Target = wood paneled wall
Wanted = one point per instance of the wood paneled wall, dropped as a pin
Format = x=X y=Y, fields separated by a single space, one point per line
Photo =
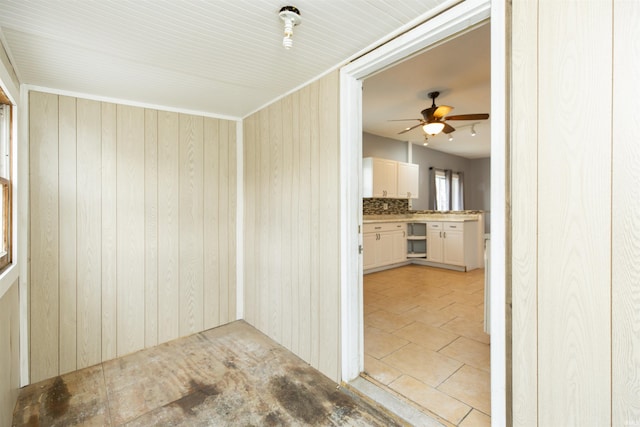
x=9 y=353
x=576 y=213
x=132 y=229
x=291 y=223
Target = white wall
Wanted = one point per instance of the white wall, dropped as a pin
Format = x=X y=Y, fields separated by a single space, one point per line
x=132 y=229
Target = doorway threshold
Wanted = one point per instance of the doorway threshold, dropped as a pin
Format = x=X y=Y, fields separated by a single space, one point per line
x=393 y=403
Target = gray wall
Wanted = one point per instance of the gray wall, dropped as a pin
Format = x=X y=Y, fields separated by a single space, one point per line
x=477 y=172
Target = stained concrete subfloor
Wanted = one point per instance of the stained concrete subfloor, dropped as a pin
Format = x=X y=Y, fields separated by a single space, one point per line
x=424 y=340
x=227 y=376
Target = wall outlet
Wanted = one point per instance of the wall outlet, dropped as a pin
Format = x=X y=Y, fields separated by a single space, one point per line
x=385 y=206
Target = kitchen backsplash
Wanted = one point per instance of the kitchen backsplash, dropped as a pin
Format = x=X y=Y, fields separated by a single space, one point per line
x=397 y=207
x=376 y=206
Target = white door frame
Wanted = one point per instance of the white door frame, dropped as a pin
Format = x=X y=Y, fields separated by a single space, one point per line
x=460 y=17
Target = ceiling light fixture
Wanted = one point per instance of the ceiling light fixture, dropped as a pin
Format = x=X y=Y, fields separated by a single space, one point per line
x=291 y=17
x=473 y=130
x=450 y=137
x=433 y=128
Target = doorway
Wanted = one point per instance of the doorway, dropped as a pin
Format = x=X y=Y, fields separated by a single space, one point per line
x=440 y=27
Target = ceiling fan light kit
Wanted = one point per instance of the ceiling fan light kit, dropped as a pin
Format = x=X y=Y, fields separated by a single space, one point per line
x=434 y=118
x=291 y=17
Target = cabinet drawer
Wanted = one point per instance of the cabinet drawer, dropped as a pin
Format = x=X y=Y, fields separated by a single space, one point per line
x=384 y=226
x=434 y=226
x=453 y=226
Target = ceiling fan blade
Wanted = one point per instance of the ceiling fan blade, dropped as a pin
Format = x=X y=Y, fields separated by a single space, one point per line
x=410 y=128
x=403 y=120
x=442 y=111
x=468 y=117
x=448 y=128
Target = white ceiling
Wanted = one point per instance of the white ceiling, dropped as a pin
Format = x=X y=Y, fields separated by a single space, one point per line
x=460 y=69
x=225 y=57
x=218 y=56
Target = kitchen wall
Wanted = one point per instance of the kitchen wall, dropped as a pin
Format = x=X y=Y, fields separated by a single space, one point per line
x=132 y=229
x=477 y=171
x=291 y=223
x=575 y=203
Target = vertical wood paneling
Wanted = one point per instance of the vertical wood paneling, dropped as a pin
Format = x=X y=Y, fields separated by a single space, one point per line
x=286 y=236
x=275 y=224
x=118 y=229
x=44 y=240
x=89 y=254
x=109 y=234
x=305 y=334
x=67 y=225
x=130 y=229
x=574 y=249
x=249 y=244
x=191 y=219
x=232 y=160
x=523 y=215
x=151 y=227
x=296 y=214
x=625 y=238
x=168 y=226
x=223 y=216
x=211 y=223
x=329 y=232
x=314 y=226
x=291 y=188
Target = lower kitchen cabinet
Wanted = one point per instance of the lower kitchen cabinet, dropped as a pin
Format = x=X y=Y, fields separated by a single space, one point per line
x=453 y=243
x=384 y=244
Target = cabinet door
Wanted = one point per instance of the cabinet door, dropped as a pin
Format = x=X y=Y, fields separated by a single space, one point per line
x=398 y=246
x=385 y=248
x=434 y=244
x=408 y=180
x=385 y=178
x=453 y=247
x=369 y=244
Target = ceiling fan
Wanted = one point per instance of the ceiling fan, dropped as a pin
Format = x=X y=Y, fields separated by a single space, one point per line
x=434 y=118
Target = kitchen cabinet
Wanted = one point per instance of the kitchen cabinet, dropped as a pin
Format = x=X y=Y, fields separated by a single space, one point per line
x=453 y=243
x=416 y=240
x=383 y=178
x=384 y=244
x=408 y=180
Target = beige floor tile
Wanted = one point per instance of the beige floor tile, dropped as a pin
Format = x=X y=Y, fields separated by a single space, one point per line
x=372 y=297
x=472 y=299
x=396 y=305
x=429 y=317
x=379 y=344
x=471 y=386
x=385 y=320
x=433 y=303
x=473 y=329
x=462 y=310
x=429 y=398
x=368 y=309
x=380 y=371
x=426 y=365
x=426 y=336
x=471 y=352
x=476 y=419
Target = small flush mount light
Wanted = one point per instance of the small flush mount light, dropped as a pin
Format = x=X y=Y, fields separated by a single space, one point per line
x=433 y=128
x=291 y=17
x=450 y=137
x=473 y=130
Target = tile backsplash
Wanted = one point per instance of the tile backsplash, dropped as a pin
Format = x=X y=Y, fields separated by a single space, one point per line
x=376 y=206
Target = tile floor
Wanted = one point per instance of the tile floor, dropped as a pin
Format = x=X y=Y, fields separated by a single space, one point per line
x=228 y=376
x=424 y=340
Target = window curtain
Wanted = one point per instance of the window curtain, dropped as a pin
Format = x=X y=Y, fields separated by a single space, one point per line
x=433 y=196
x=446 y=190
x=457 y=190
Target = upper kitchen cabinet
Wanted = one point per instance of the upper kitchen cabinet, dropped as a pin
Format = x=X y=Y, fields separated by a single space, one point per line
x=408 y=178
x=388 y=178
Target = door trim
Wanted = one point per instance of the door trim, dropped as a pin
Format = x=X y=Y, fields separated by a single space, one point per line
x=459 y=18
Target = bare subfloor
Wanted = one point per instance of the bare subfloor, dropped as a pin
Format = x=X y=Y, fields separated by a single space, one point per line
x=227 y=376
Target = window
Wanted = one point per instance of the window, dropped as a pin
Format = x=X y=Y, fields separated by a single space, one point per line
x=5 y=181
x=449 y=190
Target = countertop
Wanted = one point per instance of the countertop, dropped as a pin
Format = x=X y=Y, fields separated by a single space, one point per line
x=442 y=217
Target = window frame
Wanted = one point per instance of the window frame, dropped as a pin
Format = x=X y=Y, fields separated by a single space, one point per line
x=6 y=184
